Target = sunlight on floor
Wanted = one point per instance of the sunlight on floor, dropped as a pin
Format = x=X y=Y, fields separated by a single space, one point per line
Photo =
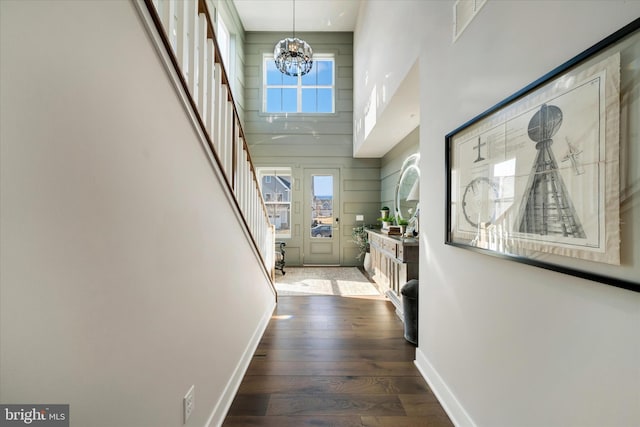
x=343 y=281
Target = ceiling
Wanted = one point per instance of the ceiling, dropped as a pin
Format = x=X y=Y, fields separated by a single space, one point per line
x=311 y=15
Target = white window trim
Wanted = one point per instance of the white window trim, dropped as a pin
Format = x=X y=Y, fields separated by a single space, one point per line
x=471 y=9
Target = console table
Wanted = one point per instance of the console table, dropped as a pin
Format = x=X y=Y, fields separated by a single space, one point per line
x=394 y=261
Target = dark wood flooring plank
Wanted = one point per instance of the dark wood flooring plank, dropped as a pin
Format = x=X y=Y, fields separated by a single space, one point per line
x=311 y=323
x=335 y=404
x=404 y=353
x=297 y=335
x=294 y=421
x=423 y=405
x=409 y=421
x=366 y=368
x=273 y=384
x=332 y=343
x=249 y=404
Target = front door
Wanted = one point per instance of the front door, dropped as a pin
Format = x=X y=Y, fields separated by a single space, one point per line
x=321 y=224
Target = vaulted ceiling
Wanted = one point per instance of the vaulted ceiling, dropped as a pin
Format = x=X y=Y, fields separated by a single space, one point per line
x=310 y=15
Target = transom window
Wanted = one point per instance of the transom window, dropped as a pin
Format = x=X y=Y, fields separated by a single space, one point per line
x=312 y=93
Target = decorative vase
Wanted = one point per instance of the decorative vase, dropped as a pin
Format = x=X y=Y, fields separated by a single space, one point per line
x=367 y=262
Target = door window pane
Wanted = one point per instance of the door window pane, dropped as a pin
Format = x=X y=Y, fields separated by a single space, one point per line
x=322 y=206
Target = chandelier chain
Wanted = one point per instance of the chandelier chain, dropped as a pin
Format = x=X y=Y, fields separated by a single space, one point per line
x=293 y=57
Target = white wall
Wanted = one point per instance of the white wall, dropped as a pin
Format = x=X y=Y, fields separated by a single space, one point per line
x=125 y=275
x=502 y=343
x=385 y=50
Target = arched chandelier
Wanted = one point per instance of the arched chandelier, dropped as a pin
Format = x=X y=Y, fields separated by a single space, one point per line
x=294 y=57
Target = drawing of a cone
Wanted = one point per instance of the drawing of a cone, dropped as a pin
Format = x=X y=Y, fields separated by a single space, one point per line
x=546 y=206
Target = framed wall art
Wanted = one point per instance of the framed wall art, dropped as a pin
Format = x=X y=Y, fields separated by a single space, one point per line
x=551 y=175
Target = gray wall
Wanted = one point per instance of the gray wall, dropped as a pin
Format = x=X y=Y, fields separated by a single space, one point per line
x=391 y=164
x=120 y=287
x=312 y=141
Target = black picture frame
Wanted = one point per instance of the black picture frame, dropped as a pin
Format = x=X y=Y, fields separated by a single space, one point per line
x=574 y=206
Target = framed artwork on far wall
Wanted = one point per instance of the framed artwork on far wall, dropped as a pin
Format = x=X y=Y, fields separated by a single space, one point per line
x=551 y=175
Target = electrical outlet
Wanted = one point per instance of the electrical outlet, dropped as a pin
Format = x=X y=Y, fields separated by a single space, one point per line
x=188 y=403
x=359 y=217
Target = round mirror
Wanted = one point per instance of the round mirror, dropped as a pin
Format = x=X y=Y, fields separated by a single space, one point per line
x=408 y=188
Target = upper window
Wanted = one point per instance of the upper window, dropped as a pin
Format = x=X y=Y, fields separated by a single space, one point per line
x=223 y=41
x=312 y=93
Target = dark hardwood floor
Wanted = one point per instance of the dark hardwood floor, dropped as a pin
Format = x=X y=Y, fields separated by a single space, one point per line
x=334 y=361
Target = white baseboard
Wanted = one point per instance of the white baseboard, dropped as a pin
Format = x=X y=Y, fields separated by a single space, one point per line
x=397 y=303
x=447 y=399
x=226 y=399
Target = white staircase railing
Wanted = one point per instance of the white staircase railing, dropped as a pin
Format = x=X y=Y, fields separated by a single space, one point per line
x=187 y=31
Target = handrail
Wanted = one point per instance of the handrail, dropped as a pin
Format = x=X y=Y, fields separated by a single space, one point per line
x=222 y=128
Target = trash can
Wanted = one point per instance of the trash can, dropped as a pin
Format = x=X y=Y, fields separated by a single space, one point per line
x=410 y=307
